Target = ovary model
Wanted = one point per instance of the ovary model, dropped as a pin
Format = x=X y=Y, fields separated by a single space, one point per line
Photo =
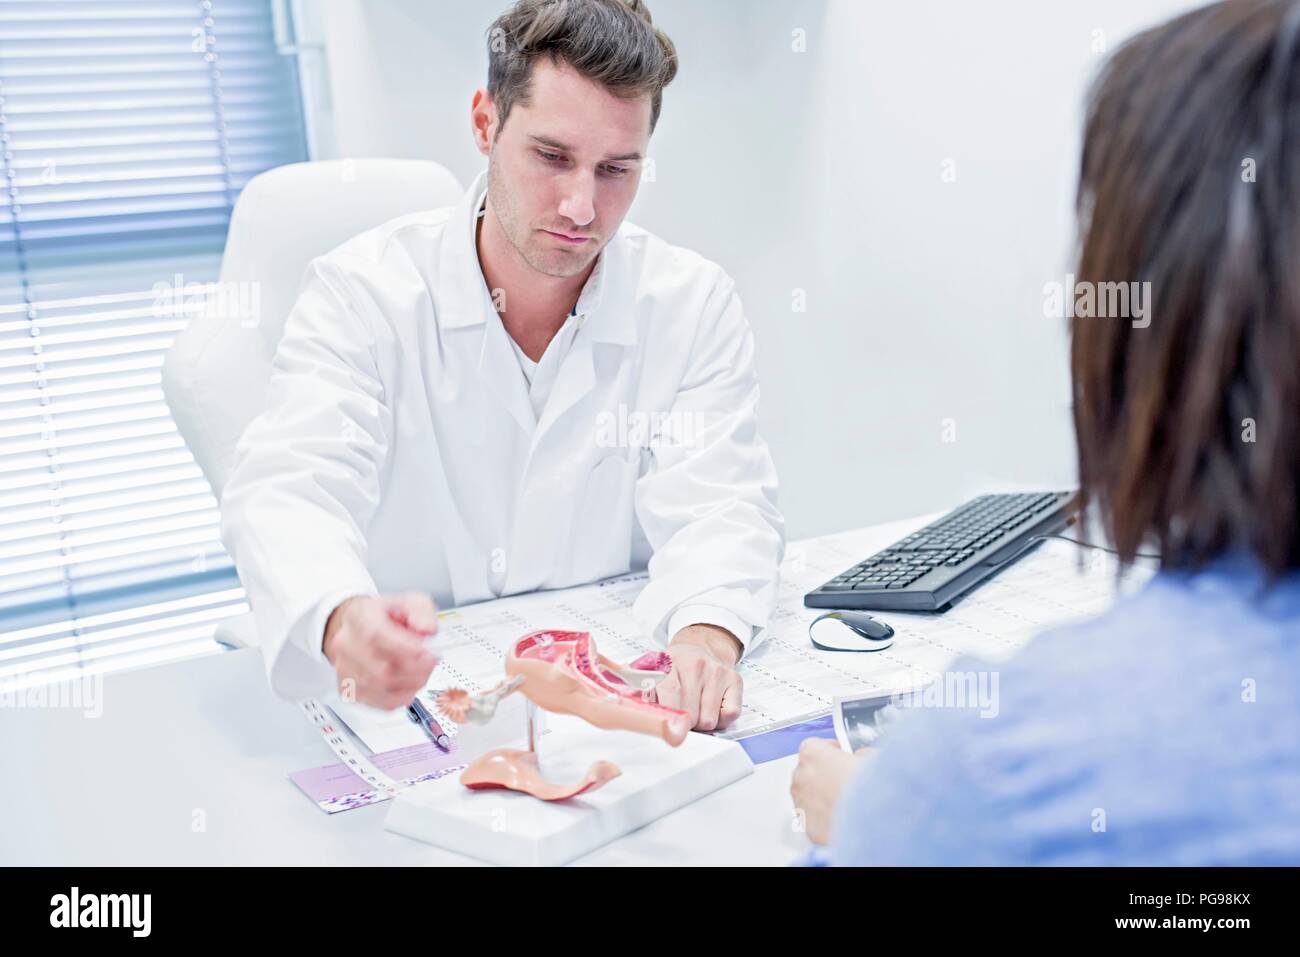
x=561 y=672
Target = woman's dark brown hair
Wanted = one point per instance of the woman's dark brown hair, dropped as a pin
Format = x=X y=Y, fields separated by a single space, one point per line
x=1188 y=429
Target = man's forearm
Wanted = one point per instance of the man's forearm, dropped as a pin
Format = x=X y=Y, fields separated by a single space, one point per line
x=717 y=640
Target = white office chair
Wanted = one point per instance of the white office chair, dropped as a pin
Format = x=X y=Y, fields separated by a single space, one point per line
x=216 y=373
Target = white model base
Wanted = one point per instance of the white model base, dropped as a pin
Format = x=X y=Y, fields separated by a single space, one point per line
x=506 y=827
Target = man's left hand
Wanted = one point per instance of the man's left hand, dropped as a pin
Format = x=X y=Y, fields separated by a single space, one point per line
x=703 y=681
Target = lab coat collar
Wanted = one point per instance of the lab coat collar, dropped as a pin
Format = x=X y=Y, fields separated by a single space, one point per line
x=464 y=299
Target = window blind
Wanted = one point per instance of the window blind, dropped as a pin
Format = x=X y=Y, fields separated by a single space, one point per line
x=127 y=130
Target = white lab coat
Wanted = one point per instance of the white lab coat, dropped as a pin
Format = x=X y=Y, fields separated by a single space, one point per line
x=400 y=450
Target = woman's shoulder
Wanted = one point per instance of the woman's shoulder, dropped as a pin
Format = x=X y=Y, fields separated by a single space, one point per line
x=1138 y=714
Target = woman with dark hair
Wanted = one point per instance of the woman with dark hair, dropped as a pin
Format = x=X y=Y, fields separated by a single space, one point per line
x=1164 y=732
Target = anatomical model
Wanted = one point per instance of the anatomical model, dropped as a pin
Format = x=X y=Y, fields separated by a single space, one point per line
x=561 y=672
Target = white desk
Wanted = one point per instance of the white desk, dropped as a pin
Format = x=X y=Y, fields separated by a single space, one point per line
x=206 y=737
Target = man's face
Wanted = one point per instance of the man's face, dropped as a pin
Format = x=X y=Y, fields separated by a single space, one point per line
x=564 y=169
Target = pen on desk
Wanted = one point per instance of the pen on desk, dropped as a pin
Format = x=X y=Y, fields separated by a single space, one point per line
x=425 y=719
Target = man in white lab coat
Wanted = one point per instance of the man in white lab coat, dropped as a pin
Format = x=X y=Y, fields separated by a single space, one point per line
x=521 y=392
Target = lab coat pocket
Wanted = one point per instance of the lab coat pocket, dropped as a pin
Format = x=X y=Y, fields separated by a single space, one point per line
x=601 y=544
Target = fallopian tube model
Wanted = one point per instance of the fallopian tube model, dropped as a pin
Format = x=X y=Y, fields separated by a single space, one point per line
x=561 y=672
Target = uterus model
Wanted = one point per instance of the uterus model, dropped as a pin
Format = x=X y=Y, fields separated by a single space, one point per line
x=561 y=672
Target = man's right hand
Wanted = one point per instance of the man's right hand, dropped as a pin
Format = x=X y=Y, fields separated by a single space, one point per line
x=376 y=646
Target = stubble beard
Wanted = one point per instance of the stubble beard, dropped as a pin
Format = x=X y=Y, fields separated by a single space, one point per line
x=528 y=242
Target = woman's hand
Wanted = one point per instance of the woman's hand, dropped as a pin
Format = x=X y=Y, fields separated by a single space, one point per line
x=823 y=770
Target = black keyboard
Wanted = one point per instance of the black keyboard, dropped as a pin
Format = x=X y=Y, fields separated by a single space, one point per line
x=929 y=568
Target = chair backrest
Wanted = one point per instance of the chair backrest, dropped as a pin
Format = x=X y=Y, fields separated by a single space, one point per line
x=216 y=373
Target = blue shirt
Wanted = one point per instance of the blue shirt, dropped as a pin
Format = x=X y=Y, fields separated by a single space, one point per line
x=1165 y=732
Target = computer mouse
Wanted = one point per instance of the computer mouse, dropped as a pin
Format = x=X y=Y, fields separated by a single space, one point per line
x=850 y=631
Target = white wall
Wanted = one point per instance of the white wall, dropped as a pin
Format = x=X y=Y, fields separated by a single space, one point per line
x=822 y=171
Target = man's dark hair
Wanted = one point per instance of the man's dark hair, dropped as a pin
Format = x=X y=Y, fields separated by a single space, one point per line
x=610 y=42
x=1188 y=430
